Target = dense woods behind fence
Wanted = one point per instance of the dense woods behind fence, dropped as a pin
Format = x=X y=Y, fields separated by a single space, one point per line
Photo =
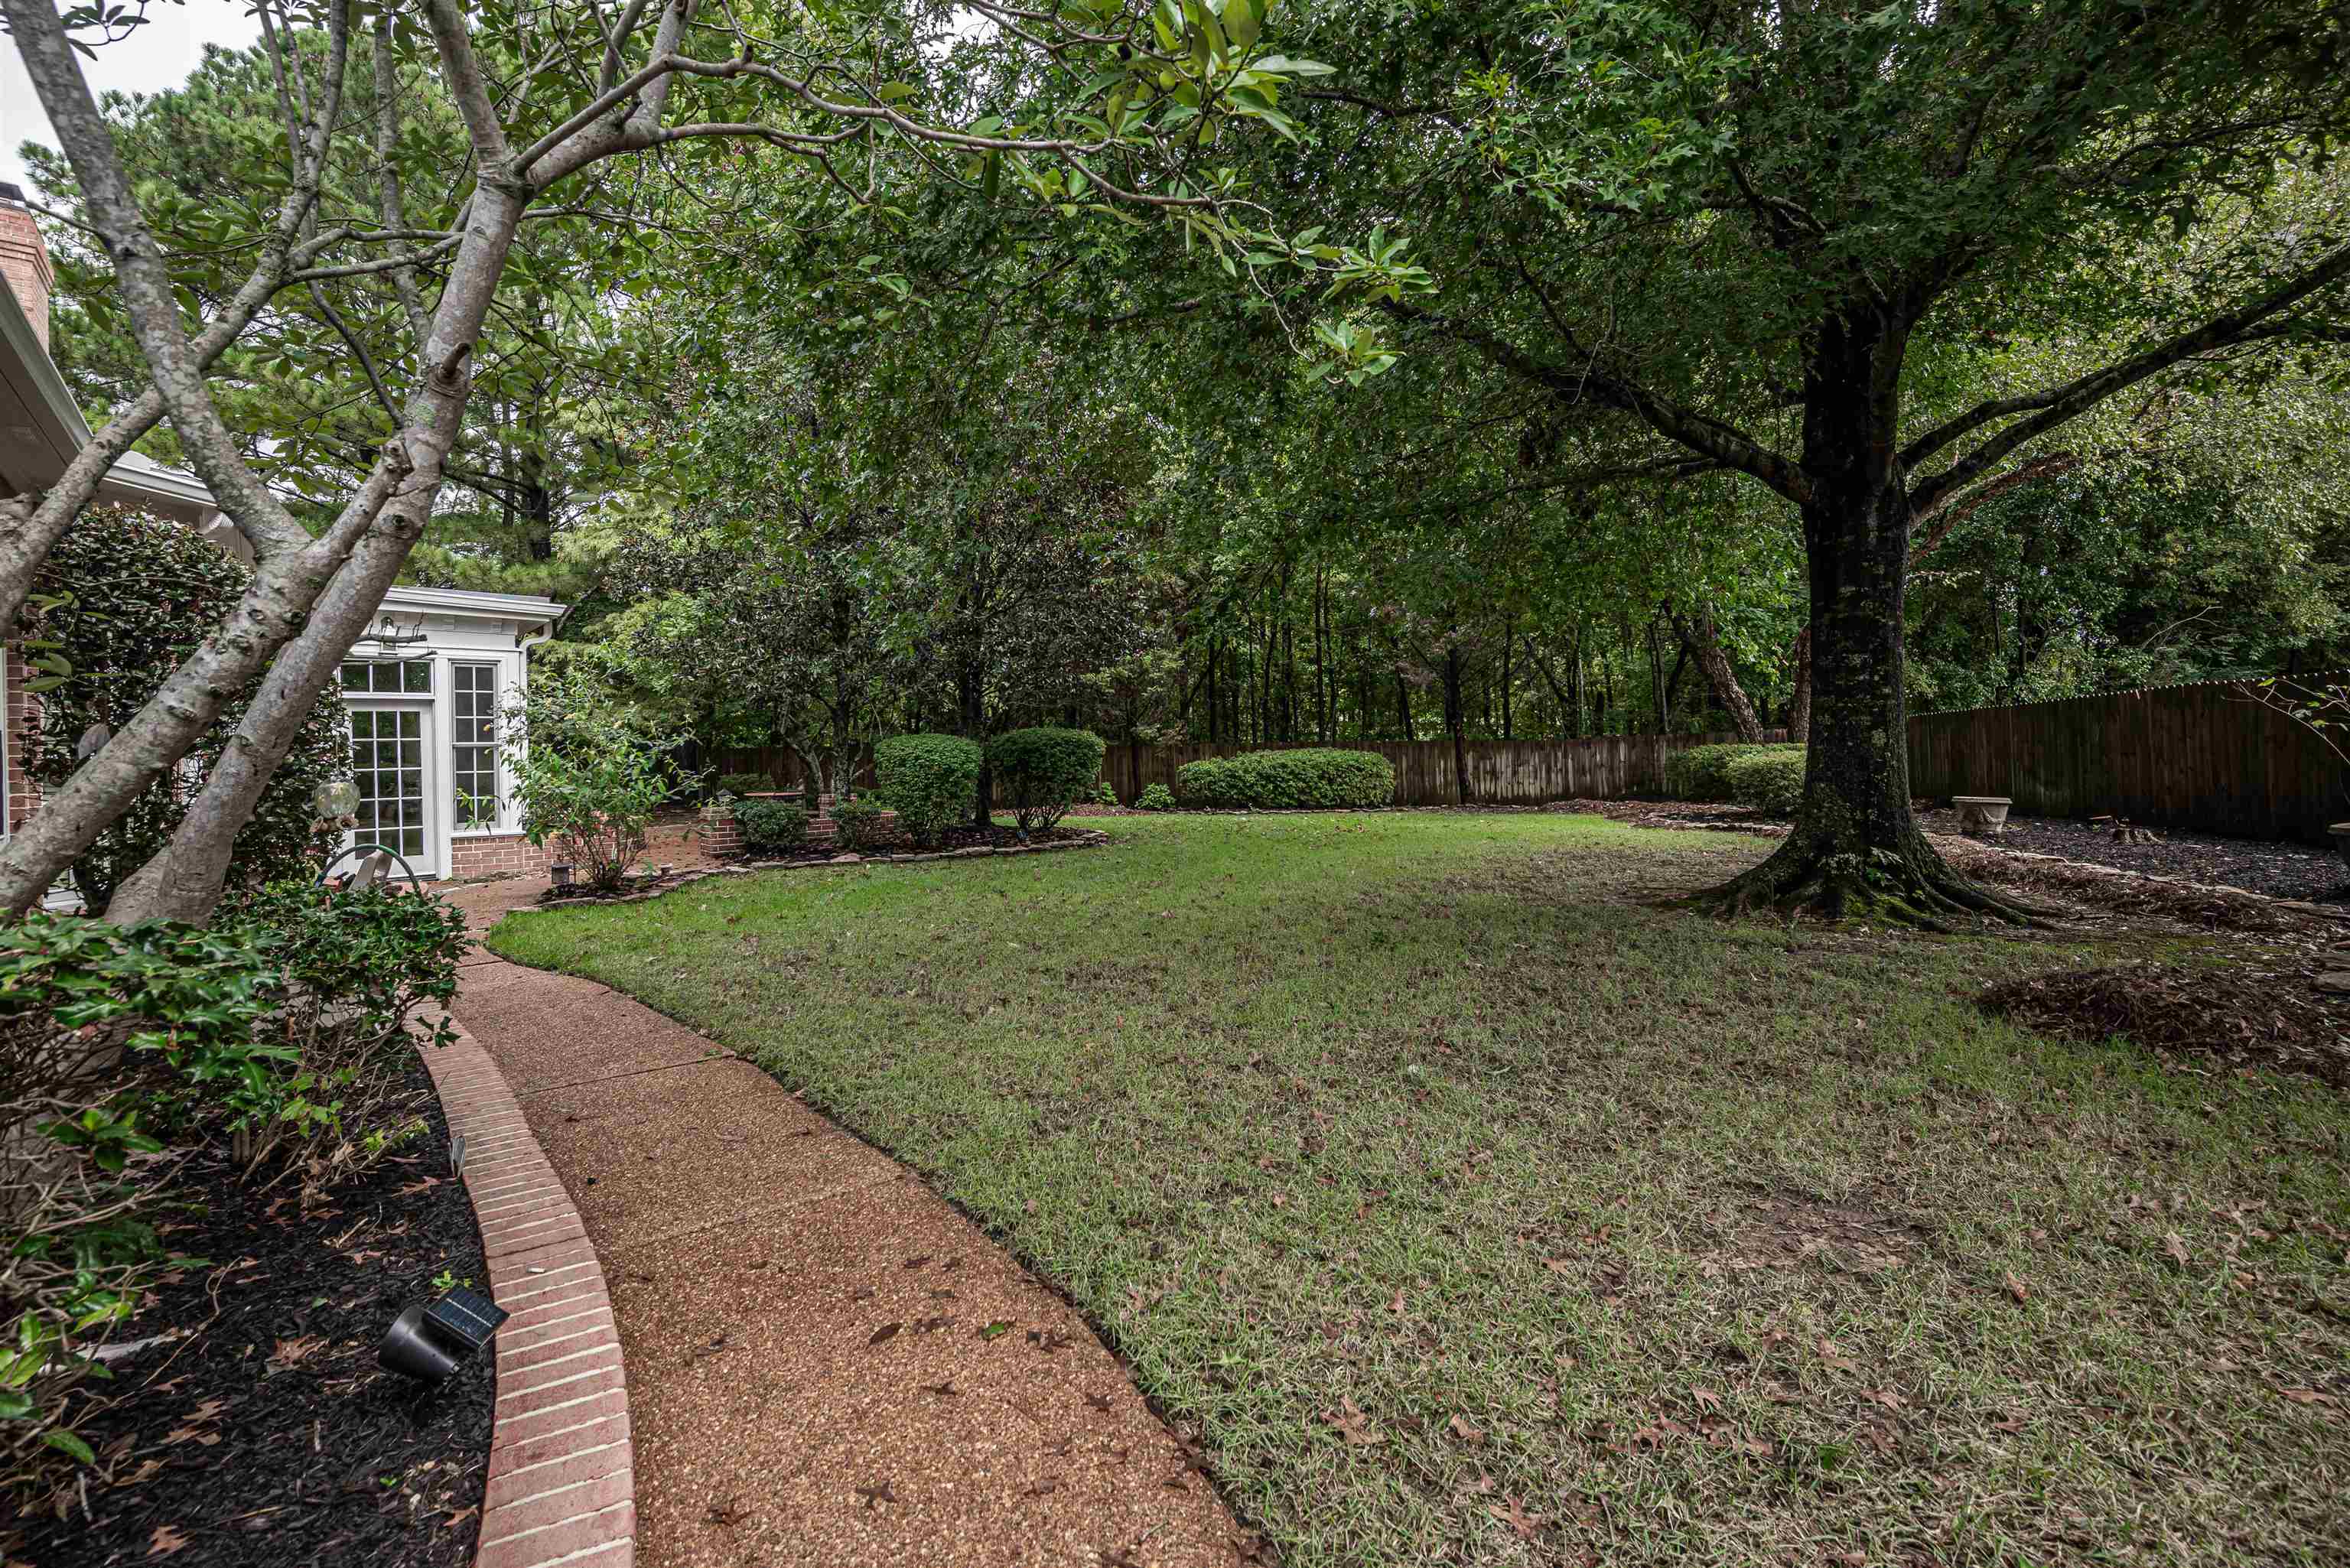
x=2205 y=757
x=1501 y=773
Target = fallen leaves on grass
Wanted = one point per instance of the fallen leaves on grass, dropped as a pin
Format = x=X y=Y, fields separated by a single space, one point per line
x=1352 y=1423
x=1526 y=1525
x=1474 y=1436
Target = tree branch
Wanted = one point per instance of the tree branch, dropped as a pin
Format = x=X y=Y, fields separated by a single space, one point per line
x=2059 y=405
x=1701 y=433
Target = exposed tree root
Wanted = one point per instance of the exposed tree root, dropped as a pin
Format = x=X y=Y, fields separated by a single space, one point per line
x=1911 y=886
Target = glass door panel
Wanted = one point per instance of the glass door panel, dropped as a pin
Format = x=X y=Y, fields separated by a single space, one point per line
x=388 y=765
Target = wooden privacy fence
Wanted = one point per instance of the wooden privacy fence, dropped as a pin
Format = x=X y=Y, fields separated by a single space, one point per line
x=2202 y=757
x=1501 y=773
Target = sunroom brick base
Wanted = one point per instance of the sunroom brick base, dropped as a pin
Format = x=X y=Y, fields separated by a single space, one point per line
x=562 y=1477
x=503 y=854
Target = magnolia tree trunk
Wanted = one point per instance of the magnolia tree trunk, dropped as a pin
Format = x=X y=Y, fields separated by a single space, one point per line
x=1856 y=849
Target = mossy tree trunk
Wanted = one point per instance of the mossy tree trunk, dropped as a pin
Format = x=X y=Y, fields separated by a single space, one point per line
x=1855 y=848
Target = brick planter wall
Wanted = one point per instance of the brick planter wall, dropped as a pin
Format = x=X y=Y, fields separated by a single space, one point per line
x=562 y=1477
x=495 y=854
x=723 y=837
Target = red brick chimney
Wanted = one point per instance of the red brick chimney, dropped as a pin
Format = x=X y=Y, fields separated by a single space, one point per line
x=25 y=259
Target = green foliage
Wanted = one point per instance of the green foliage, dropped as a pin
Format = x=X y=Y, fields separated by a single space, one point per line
x=771 y=827
x=1155 y=797
x=1316 y=776
x=589 y=774
x=284 y=1024
x=861 y=823
x=740 y=785
x=1104 y=794
x=931 y=781
x=1767 y=778
x=1041 y=772
x=1702 y=773
x=131 y=596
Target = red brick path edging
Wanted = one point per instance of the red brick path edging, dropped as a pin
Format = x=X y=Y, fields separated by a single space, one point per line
x=561 y=1480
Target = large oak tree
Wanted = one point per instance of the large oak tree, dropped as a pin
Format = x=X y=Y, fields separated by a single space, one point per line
x=1789 y=243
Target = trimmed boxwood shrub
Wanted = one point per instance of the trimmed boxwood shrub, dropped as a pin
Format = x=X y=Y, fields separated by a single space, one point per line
x=930 y=779
x=740 y=785
x=1768 y=779
x=1309 y=776
x=1210 y=781
x=1042 y=773
x=1702 y=773
x=1158 y=797
x=861 y=823
x=771 y=827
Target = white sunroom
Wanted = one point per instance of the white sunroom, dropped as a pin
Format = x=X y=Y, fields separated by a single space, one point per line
x=422 y=691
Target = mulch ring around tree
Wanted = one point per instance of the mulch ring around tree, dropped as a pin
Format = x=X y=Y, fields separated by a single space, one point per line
x=251 y=1424
x=2254 y=1014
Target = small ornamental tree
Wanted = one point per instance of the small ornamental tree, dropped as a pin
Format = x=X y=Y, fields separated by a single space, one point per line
x=127 y=598
x=588 y=774
x=929 y=780
x=1042 y=773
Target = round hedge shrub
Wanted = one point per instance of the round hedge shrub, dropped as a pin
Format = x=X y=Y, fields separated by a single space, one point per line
x=1702 y=773
x=1768 y=779
x=1210 y=782
x=1042 y=773
x=771 y=827
x=1158 y=797
x=861 y=823
x=930 y=779
x=1310 y=776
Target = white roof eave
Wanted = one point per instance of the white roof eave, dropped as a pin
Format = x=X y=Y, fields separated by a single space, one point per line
x=474 y=604
x=133 y=477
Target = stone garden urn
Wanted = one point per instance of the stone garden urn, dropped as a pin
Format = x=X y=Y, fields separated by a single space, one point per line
x=1982 y=814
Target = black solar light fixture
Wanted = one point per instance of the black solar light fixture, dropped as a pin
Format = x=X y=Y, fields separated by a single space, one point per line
x=429 y=1340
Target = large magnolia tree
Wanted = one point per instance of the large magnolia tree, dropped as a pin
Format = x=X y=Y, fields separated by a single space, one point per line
x=1794 y=243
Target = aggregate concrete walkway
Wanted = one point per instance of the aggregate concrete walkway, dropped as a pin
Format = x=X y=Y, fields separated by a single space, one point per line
x=815 y=1370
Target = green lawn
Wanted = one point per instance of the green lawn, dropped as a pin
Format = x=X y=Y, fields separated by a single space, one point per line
x=1625 y=1232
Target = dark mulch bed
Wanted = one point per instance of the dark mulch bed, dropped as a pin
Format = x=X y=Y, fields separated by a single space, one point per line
x=263 y=1431
x=956 y=839
x=2264 y=1012
x=1677 y=813
x=2280 y=870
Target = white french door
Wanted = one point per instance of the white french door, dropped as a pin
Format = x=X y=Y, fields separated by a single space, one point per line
x=392 y=762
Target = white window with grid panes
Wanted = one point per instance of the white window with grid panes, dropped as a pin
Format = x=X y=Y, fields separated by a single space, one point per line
x=388 y=765
x=473 y=747
x=388 y=677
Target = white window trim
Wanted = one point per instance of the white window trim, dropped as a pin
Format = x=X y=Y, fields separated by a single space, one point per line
x=502 y=828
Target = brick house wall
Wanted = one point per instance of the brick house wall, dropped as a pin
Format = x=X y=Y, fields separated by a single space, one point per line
x=23 y=717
